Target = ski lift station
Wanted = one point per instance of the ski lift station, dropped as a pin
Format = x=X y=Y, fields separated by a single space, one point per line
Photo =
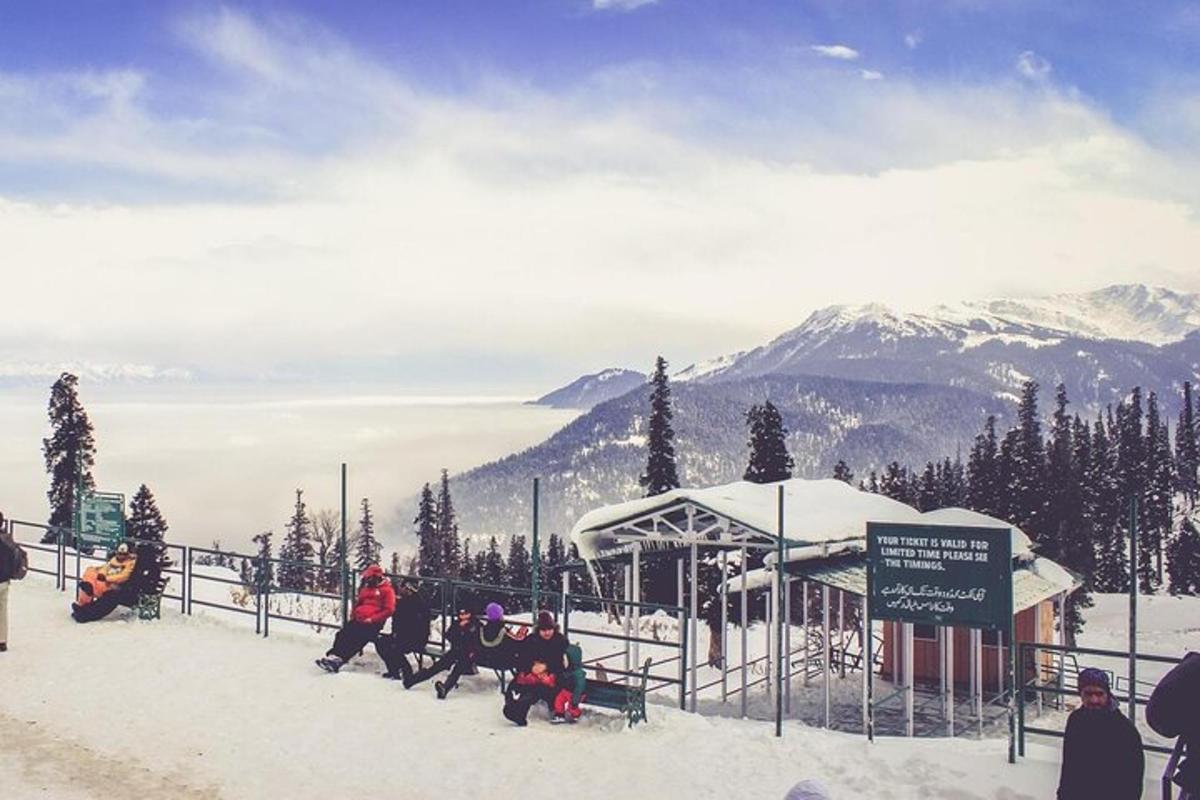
x=793 y=554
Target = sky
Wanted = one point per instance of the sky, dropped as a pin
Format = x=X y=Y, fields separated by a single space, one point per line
x=496 y=197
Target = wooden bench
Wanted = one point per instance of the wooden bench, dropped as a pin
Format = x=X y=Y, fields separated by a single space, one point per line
x=628 y=698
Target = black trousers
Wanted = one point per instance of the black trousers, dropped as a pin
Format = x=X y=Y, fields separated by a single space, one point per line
x=457 y=663
x=97 y=609
x=395 y=656
x=518 y=699
x=352 y=638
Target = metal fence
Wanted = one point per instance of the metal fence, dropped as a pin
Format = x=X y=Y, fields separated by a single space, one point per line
x=611 y=652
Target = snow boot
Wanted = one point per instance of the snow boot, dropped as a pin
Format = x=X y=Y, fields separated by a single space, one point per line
x=558 y=719
x=512 y=714
x=440 y=688
x=330 y=663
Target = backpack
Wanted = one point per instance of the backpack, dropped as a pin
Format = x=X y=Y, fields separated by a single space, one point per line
x=18 y=560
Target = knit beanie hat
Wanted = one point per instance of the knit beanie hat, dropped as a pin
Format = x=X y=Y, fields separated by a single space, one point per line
x=545 y=621
x=1094 y=677
x=494 y=612
x=808 y=790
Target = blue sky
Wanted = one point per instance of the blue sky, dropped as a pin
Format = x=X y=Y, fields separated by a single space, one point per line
x=562 y=166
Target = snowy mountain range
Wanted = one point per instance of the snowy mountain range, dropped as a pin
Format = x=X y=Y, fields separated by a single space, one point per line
x=867 y=384
x=591 y=390
x=43 y=373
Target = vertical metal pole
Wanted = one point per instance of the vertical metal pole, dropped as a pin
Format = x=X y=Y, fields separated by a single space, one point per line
x=868 y=672
x=626 y=612
x=780 y=652
x=745 y=623
x=940 y=632
x=978 y=650
x=804 y=621
x=343 y=571
x=909 y=684
x=828 y=673
x=1062 y=641
x=769 y=630
x=949 y=680
x=636 y=611
x=566 y=590
x=841 y=633
x=187 y=580
x=1133 y=595
x=537 y=553
x=694 y=631
x=682 y=634
x=787 y=644
x=1012 y=683
x=724 y=625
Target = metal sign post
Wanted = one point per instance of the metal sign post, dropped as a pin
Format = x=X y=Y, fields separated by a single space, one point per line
x=536 y=560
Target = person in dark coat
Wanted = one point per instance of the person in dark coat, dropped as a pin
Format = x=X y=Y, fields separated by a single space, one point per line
x=1102 y=750
x=410 y=632
x=541 y=660
x=460 y=657
x=1174 y=711
x=373 y=607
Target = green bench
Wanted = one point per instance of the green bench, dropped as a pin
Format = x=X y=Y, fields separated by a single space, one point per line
x=628 y=698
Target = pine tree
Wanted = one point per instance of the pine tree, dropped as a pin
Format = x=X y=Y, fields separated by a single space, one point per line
x=1187 y=449
x=146 y=525
x=769 y=458
x=70 y=454
x=518 y=571
x=264 y=569
x=394 y=567
x=895 y=483
x=1103 y=503
x=1063 y=501
x=953 y=489
x=466 y=570
x=1183 y=558
x=297 y=549
x=1157 y=500
x=1028 y=471
x=447 y=531
x=429 y=549
x=367 y=549
x=1131 y=458
x=1078 y=549
x=841 y=472
x=661 y=474
x=983 y=471
x=927 y=489
x=494 y=571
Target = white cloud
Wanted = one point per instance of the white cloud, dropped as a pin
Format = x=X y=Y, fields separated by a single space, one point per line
x=870 y=75
x=522 y=224
x=838 y=51
x=1032 y=66
x=913 y=39
x=620 y=5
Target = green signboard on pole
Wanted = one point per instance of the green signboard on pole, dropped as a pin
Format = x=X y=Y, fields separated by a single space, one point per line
x=940 y=574
x=102 y=520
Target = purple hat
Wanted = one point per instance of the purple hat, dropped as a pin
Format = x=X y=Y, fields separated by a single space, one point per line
x=494 y=612
x=1094 y=677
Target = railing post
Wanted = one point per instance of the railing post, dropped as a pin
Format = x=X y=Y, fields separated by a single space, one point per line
x=1020 y=704
x=266 y=604
x=185 y=588
x=683 y=661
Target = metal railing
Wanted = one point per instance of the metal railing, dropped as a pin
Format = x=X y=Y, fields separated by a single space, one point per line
x=1057 y=685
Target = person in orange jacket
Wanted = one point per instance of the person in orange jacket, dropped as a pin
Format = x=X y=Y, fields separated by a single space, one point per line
x=97 y=595
x=374 y=606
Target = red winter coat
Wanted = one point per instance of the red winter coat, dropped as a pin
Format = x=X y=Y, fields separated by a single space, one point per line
x=375 y=604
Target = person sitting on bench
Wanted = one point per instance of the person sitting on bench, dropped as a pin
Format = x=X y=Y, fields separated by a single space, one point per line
x=374 y=606
x=410 y=632
x=463 y=641
x=541 y=658
x=99 y=590
x=572 y=685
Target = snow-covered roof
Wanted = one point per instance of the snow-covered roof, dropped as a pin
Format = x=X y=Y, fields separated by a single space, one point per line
x=818 y=514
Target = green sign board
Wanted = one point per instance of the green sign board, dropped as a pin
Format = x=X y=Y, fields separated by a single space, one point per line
x=102 y=519
x=940 y=574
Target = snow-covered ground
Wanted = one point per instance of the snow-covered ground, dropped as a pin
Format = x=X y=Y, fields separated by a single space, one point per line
x=200 y=707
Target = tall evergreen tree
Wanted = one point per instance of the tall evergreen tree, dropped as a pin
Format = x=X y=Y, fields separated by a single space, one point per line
x=447 y=530
x=264 y=568
x=1183 y=558
x=928 y=496
x=1158 y=499
x=367 y=549
x=953 y=486
x=1063 y=501
x=429 y=548
x=983 y=471
x=769 y=457
x=466 y=571
x=1187 y=449
x=661 y=474
x=1103 y=503
x=70 y=454
x=1028 y=471
x=1077 y=543
x=146 y=525
x=519 y=570
x=894 y=483
x=494 y=571
x=297 y=549
x=841 y=472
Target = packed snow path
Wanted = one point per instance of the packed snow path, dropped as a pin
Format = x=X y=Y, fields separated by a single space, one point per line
x=198 y=708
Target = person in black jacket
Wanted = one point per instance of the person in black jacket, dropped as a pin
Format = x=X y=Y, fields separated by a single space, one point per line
x=541 y=660
x=1174 y=711
x=1102 y=750
x=410 y=632
x=463 y=640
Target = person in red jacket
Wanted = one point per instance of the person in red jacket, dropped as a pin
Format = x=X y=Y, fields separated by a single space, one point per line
x=374 y=606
